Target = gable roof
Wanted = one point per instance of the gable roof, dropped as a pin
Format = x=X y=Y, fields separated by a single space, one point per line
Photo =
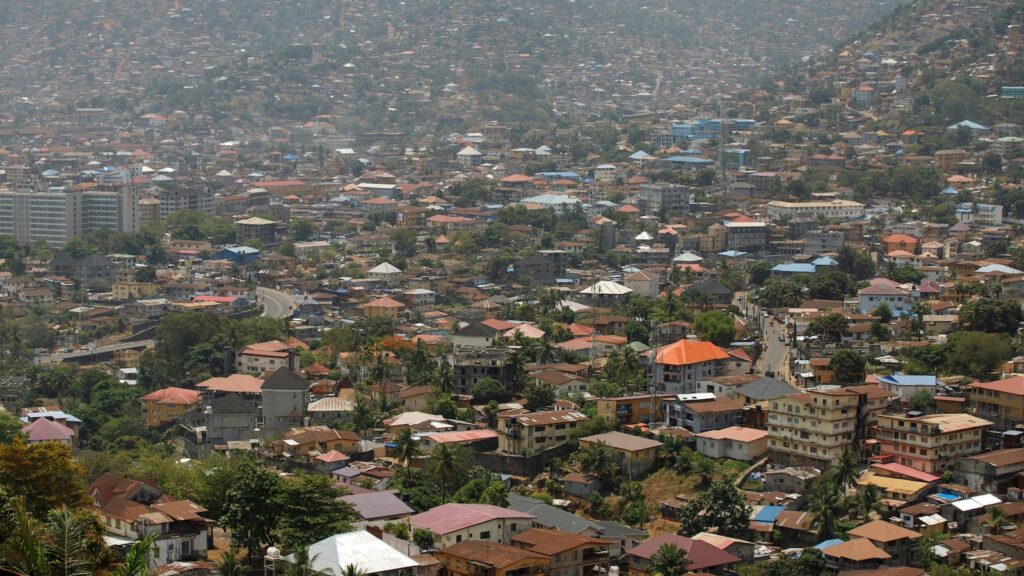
x=43 y=430
x=361 y=549
x=548 y=516
x=284 y=379
x=701 y=555
x=173 y=396
x=883 y=531
x=856 y=550
x=1012 y=385
x=373 y=505
x=622 y=441
x=452 y=517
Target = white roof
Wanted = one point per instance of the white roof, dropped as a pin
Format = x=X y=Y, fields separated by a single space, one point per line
x=360 y=548
x=687 y=257
x=982 y=501
x=385 y=268
x=414 y=418
x=607 y=287
x=468 y=151
x=644 y=236
x=932 y=519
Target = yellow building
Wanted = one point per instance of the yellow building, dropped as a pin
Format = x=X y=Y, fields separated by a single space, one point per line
x=894 y=488
x=631 y=409
x=133 y=290
x=167 y=405
x=385 y=307
x=636 y=453
x=1000 y=401
x=930 y=443
x=522 y=432
x=815 y=427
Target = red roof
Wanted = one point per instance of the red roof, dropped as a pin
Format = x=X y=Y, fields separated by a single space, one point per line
x=701 y=555
x=448 y=518
x=1012 y=385
x=173 y=395
x=686 y=352
x=906 y=471
x=384 y=302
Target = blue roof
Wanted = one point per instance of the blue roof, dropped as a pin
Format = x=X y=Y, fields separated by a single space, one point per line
x=828 y=543
x=824 y=261
x=242 y=250
x=569 y=175
x=950 y=190
x=795 y=268
x=909 y=380
x=639 y=154
x=768 y=514
x=967 y=124
x=688 y=160
x=51 y=415
x=948 y=496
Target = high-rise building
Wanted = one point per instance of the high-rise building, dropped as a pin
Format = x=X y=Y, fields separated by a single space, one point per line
x=57 y=215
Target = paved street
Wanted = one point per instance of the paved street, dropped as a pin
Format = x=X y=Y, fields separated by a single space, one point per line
x=276 y=304
x=89 y=353
x=775 y=356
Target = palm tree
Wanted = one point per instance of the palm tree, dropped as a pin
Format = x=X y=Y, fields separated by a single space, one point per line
x=844 y=471
x=406 y=448
x=598 y=458
x=444 y=467
x=869 y=501
x=825 y=502
x=136 y=560
x=300 y=565
x=706 y=470
x=669 y=560
x=546 y=350
x=445 y=382
x=996 y=520
x=353 y=570
x=58 y=547
x=231 y=564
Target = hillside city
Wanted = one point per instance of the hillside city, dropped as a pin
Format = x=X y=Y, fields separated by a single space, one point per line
x=513 y=288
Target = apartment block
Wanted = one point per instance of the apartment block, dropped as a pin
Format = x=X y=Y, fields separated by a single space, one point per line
x=813 y=428
x=521 y=432
x=930 y=443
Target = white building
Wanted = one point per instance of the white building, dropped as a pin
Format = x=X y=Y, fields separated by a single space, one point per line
x=835 y=209
x=58 y=215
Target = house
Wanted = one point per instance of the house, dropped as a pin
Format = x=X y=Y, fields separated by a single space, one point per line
x=636 y=454
x=418 y=421
x=906 y=385
x=580 y=484
x=678 y=366
x=479 y=440
x=240 y=255
x=567 y=553
x=472 y=558
x=284 y=397
x=563 y=384
x=716 y=292
x=1000 y=401
x=369 y=554
x=643 y=283
x=414 y=398
x=43 y=430
x=992 y=471
x=634 y=409
x=378 y=508
x=315 y=440
x=167 y=405
x=897 y=489
x=131 y=509
x=703 y=557
x=58 y=416
x=898 y=542
x=855 y=554
x=475 y=334
x=930 y=443
x=267 y=356
x=791 y=479
x=736 y=442
x=453 y=523
x=522 y=432
x=385 y=307
x=702 y=412
x=883 y=291
x=387 y=273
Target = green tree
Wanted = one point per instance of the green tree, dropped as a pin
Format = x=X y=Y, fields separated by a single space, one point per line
x=716 y=326
x=984 y=315
x=406 y=448
x=883 y=312
x=308 y=507
x=251 y=512
x=487 y=389
x=825 y=502
x=669 y=560
x=831 y=328
x=844 y=470
x=423 y=539
x=977 y=354
x=921 y=400
x=10 y=427
x=599 y=459
x=720 y=506
x=446 y=465
x=539 y=395
x=496 y=494
x=848 y=367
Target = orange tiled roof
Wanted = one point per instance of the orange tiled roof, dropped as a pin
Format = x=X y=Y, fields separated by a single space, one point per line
x=685 y=352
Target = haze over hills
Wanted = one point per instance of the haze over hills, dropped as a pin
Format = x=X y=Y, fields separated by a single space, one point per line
x=391 y=60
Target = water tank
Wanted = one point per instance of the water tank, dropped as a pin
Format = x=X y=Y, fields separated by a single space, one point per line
x=613 y=571
x=273 y=553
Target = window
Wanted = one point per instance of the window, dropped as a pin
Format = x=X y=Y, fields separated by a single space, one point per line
x=513 y=526
x=458 y=538
x=486 y=535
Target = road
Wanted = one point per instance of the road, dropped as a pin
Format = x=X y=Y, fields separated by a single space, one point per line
x=775 y=356
x=84 y=353
x=276 y=304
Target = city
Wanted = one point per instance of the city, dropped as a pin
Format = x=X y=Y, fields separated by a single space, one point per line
x=432 y=289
